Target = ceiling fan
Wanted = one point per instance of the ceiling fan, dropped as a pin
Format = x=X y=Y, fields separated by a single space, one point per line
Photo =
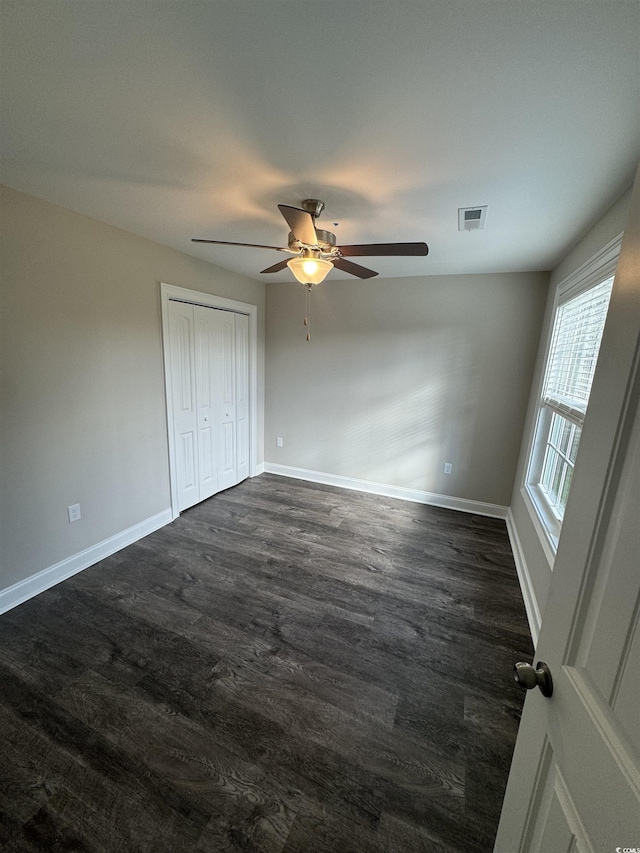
x=315 y=250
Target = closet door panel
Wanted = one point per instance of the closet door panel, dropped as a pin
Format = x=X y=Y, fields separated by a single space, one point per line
x=242 y=394
x=206 y=353
x=183 y=392
x=222 y=367
x=210 y=399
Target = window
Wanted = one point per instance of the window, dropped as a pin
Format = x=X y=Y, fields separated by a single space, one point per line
x=580 y=315
x=572 y=362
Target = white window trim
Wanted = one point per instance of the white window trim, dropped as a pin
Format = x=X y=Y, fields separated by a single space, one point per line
x=598 y=268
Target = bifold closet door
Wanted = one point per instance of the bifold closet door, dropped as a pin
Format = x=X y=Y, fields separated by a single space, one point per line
x=209 y=378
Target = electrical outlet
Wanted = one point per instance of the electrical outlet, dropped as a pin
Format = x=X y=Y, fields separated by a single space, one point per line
x=279 y=441
x=447 y=467
x=74 y=513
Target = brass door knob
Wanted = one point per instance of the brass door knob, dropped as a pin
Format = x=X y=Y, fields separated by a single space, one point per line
x=528 y=677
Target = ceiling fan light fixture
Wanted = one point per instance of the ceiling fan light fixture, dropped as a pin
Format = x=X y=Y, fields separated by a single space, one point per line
x=310 y=270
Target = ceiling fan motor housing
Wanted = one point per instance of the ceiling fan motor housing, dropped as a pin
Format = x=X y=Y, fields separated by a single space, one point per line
x=326 y=241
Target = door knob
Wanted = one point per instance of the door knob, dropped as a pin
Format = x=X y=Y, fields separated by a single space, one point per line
x=526 y=676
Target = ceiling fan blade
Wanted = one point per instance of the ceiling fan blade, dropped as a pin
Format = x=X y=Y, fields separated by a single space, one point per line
x=353 y=269
x=371 y=249
x=276 y=267
x=301 y=224
x=227 y=243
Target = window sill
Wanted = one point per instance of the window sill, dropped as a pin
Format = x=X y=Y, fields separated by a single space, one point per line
x=541 y=518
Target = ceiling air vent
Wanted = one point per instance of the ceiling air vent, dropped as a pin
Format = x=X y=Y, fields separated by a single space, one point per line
x=472 y=218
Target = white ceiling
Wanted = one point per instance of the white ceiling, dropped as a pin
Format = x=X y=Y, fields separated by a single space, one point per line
x=194 y=119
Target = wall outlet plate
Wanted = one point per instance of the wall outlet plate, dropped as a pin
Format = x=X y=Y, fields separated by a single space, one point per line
x=74 y=513
x=447 y=467
x=279 y=441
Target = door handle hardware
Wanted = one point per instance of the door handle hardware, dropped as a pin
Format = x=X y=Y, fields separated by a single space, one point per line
x=528 y=677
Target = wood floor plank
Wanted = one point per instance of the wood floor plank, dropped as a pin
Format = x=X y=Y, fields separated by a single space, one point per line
x=101 y=783
x=286 y=668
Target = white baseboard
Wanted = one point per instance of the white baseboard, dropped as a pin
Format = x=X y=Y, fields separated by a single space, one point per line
x=414 y=495
x=528 y=594
x=22 y=591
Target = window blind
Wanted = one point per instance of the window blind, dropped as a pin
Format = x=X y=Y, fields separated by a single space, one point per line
x=574 y=351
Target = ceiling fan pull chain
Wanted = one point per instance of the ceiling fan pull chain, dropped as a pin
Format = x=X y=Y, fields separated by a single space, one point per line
x=307 y=319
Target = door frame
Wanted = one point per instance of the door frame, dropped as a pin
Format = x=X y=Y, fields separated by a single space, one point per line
x=168 y=293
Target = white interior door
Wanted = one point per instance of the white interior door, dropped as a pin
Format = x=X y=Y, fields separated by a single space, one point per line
x=217 y=329
x=183 y=397
x=575 y=778
x=242 y=396
x=207 y=385
x=209 y=374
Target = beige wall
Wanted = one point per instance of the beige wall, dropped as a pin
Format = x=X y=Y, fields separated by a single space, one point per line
x=83 y=411
x=606 y=229
x=403 y=375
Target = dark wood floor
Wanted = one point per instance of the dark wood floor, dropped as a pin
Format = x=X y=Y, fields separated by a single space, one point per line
x=287 y=667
